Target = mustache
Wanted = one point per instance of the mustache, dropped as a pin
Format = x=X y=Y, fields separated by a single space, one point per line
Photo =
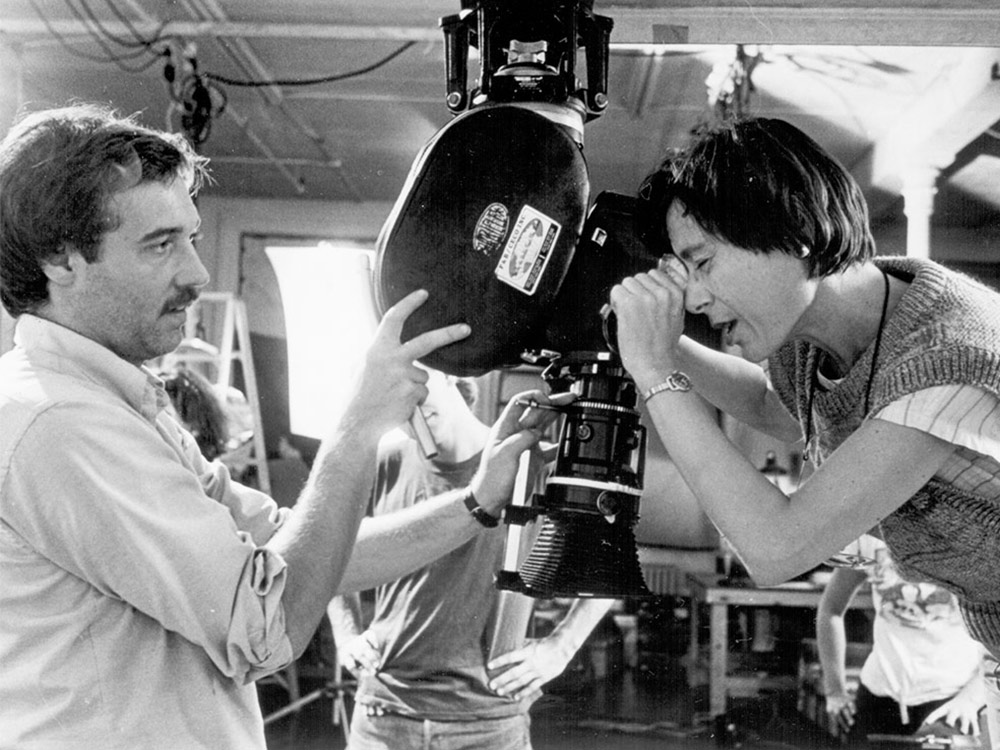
x=184 y=298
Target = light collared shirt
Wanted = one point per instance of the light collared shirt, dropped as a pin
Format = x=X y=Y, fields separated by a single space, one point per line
x=137 y=603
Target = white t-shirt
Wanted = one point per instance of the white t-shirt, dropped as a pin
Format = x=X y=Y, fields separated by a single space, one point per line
x=921 y=650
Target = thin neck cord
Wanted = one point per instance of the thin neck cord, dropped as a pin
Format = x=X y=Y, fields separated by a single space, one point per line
x=813 y=381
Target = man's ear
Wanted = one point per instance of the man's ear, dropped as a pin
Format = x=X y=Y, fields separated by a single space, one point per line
x=60 y=268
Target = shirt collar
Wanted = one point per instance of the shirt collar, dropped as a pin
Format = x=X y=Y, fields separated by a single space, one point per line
x=59 y=349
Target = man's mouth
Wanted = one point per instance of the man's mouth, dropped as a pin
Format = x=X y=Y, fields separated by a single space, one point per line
x=179 y=306
x=175 y=310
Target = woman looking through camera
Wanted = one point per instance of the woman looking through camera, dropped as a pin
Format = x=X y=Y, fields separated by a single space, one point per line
x=887 y=368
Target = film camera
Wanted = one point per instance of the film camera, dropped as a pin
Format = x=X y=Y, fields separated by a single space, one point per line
x=495 y=221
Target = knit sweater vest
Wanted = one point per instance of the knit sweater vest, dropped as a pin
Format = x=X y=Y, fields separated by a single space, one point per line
x=945 y=330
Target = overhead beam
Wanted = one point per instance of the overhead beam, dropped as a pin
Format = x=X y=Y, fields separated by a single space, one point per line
x=771 y=23
x=757 y=23
x=249 y=30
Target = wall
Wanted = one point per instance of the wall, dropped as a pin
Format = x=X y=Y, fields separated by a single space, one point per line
x=225 y=220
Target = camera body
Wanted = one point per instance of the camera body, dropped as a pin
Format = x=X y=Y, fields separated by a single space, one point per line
x=494 y=222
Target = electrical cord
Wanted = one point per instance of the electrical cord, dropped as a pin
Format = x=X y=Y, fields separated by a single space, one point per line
x=109 y=57
x=139 y=39
x=310 y=81
x=100 y=33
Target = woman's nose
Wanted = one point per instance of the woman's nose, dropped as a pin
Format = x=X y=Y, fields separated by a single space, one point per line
x=696 y=297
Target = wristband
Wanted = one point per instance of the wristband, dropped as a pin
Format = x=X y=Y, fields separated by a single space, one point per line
x=478 y=512
x=676 y=381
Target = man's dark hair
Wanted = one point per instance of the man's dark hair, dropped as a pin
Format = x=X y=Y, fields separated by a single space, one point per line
x=763 y=185
x=58 y=170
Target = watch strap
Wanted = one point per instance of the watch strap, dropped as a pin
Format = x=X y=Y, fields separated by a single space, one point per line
x=478 y=512
x=675 y=381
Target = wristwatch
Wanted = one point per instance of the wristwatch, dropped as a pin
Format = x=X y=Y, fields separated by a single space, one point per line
x=676 y=381
x=478 y=512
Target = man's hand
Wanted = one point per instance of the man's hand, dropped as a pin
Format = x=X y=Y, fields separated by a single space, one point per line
x=361 y=655
x=529 y=667
x=391 y=385
x=520 y=427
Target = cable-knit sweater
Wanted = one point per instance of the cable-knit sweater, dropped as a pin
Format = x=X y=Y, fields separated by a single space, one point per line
x=944 y=330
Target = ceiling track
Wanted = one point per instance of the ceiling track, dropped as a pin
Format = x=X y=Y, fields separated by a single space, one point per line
x=246 y=59
x=760 y=24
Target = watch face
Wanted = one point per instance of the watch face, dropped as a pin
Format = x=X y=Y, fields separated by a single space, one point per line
x=680 y=381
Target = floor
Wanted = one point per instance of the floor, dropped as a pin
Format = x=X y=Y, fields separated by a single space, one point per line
x=630 y=709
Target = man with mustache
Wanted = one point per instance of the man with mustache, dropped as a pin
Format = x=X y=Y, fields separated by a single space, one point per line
x=142 y=591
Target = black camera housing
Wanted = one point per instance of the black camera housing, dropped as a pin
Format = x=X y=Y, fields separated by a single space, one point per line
x=528 y=53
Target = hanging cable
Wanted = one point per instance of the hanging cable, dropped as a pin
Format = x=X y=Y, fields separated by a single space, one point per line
x=101 y=33
x=110 y=55
x=310 y=81
x=138 y=39
x=198 y=99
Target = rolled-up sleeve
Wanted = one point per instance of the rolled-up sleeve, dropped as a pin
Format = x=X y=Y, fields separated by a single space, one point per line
x=131 y=509
x=258 y=635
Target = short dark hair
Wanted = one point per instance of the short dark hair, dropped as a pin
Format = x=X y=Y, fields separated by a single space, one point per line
x=763 y=185
x=58 y=170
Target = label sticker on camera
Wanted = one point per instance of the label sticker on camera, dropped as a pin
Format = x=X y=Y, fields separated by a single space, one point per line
x=528 y=250
x=490 y=229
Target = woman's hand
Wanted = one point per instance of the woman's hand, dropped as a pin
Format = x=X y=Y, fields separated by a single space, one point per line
x=650 y=311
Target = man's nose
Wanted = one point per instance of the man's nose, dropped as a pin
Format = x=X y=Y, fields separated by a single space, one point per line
x=193 y=272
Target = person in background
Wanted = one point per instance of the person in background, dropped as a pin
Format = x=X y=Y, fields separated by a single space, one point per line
x=198 y=409
x=888 y=368
x=142 y=591
x=425 y=676
x=923 y=667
